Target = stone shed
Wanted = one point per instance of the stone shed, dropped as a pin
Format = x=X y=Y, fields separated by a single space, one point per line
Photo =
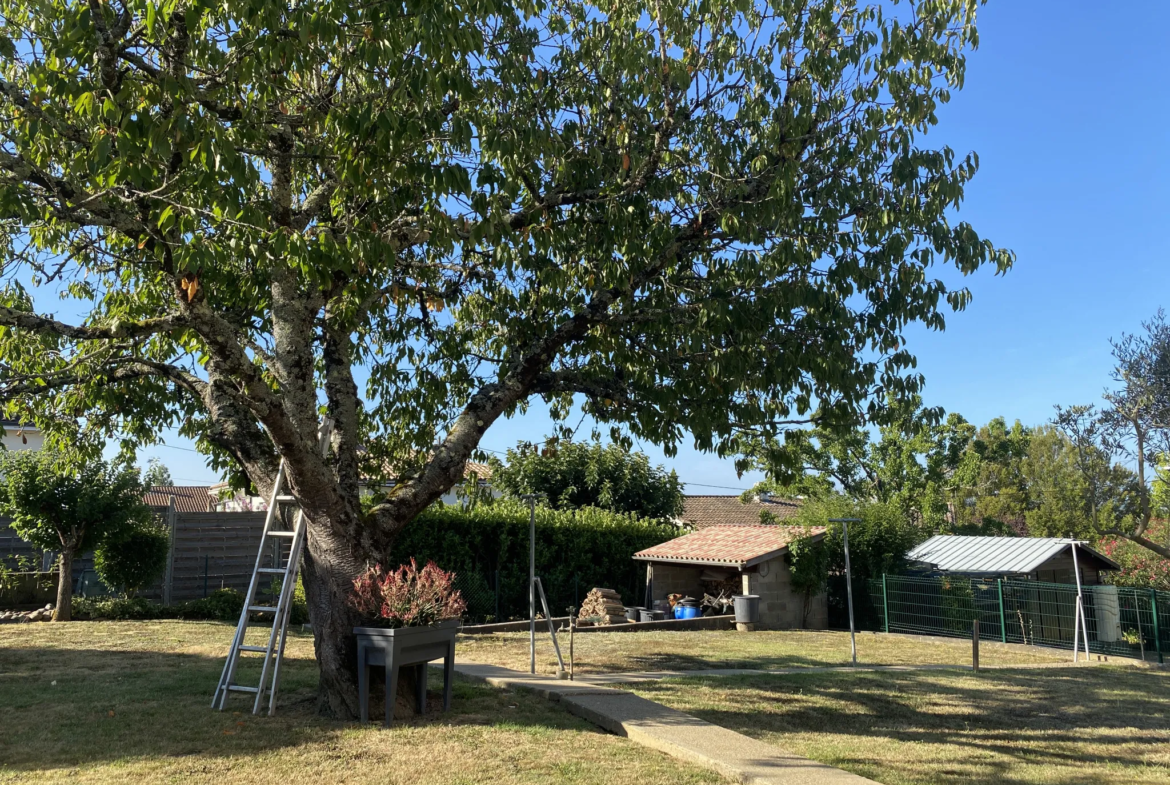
x=743 y=559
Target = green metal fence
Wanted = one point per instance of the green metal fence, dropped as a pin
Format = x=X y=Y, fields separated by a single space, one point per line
x=1031 y=612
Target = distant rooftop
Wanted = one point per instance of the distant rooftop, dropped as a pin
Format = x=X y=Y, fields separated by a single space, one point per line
x=704 y=511
x=729 y=545
x=998 y=555
x=188 y=498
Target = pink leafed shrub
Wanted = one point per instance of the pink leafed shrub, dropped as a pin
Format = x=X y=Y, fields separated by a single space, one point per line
x=407 y=596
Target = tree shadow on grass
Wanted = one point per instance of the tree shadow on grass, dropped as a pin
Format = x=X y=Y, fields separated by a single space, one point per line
x=989 y=724
x=673 y=661
x=77 y=708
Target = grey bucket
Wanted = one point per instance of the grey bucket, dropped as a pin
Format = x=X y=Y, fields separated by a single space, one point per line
x=747 y=608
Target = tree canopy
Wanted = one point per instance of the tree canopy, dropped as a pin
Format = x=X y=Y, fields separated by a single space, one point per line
x=693 y=219
x=572 y=475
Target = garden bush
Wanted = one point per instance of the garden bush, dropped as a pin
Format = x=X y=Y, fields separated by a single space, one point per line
x=132 y=559
x=575 y=551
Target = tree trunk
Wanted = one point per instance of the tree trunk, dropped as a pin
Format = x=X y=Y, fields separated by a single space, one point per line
x=328 y=573
x=64 y=609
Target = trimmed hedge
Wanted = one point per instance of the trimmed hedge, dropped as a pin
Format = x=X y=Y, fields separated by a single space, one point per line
x=575 y=551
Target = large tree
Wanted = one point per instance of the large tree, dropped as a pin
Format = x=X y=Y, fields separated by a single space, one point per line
x=687 y=217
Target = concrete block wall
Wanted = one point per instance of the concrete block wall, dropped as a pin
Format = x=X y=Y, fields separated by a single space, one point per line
x=677 y=579
x=781 y=607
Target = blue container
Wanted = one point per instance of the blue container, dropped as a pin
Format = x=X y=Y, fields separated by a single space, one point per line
x=686 y=612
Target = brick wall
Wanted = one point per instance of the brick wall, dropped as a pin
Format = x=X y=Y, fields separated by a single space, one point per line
x=780 y=606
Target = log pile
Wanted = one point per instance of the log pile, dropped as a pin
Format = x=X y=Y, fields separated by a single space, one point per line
x=605 y=605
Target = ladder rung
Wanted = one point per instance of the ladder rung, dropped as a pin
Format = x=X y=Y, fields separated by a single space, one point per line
x=273 y=570
x=286 y=499
x=281 y=533
x=262 y=609
x=241 y=688
x=255 y=648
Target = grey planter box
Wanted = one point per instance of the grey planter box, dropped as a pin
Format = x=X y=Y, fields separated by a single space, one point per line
x=405 y=647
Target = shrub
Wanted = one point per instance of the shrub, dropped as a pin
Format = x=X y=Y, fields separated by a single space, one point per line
x=574 y=549
x=408 y=596
x=133 y=559
x=116 y=608
x=220 y=605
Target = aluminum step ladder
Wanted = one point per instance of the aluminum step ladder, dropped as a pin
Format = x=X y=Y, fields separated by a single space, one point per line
x=271 y=541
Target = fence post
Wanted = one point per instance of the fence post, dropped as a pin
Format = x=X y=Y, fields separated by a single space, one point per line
x=497 y=595
x=975 y=645
x=169 y=578
x=1002 y=616
x=885 y=604
x=206 y=565
x=1157 y=631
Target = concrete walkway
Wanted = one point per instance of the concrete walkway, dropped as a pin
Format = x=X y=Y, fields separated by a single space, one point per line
x=677 y=734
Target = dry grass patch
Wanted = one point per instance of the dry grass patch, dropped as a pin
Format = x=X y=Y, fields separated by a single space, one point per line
x=1073 y=726
x=603 y=652
x=118 y=702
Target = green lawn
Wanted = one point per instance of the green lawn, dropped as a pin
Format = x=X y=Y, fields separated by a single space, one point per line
x=643 y=651
x=1100 y=725
x=128 y=702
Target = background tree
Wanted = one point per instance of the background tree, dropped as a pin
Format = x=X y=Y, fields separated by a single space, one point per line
x=878 y=544
x=694 y=220
x=156 y=474
x=573 y=475
x=69 y=507
x=911 y=466
x=1135 y=425
x=133 y=558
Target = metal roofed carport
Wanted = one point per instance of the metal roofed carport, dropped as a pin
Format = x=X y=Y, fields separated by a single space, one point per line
x=998 y=555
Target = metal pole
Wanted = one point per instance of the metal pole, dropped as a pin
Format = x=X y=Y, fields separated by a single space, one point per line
x=1002 y=619
x=531 y=499
x=1083 y=630
x=885 y=604
x=1157 y=630
x=848 y=582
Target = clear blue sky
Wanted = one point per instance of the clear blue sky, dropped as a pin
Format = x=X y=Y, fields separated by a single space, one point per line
x=1068 y=106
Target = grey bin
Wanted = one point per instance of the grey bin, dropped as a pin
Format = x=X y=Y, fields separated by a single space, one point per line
x=632 y=612
x=747 y=608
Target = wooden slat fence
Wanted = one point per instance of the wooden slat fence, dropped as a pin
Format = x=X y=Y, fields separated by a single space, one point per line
x=209 y=551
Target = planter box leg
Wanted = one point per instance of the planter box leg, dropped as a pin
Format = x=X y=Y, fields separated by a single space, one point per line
x=448 y=672
x=420 y=689
x=391 y=689
x=363 y=686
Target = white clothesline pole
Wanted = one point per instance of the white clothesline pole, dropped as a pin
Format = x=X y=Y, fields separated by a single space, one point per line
x=1079 y=627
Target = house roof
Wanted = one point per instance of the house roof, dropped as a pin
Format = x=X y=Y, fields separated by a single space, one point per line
x=997 y=555
x=729 y=545
x=481 y=471
x=188 y=498
x=704 y=511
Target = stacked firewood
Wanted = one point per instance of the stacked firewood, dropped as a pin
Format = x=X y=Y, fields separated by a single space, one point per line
x=605 y=605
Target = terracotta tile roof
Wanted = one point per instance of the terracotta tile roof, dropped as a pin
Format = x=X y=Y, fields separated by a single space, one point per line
x=739 y=546
x=704 y=511
x=188 y=498
x=481 y=471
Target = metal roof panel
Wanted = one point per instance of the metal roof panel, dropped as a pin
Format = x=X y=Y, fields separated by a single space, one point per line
x=953 y=553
